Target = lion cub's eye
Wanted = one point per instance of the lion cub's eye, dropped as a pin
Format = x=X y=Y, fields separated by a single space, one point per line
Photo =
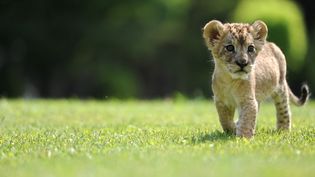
x=229 y=48
x=251 y=48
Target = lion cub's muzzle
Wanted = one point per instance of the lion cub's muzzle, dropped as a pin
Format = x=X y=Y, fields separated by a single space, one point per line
x=241 y=69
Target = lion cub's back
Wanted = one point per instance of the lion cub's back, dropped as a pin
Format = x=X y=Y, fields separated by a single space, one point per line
x=270 y=70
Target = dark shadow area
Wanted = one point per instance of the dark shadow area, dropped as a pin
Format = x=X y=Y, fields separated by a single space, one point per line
x=212 y=136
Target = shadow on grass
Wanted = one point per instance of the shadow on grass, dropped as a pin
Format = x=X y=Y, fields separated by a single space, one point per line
x=211 y=137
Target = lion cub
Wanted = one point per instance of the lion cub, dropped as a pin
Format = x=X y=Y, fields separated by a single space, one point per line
x=248 y=69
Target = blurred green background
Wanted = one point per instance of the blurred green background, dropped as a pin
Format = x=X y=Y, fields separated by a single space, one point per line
x=135 y=48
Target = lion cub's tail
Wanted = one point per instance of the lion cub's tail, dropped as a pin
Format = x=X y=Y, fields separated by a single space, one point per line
x=305 y=94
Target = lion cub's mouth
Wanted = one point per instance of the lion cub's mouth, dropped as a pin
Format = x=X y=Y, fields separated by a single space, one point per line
x=241 y=71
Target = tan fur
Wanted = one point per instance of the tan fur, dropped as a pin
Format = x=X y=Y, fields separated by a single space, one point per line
x=244 y=77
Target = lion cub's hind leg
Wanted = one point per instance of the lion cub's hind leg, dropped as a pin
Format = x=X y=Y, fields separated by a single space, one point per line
x=281 y=101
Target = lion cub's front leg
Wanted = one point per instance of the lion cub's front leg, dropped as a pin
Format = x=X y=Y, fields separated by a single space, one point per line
x=226 y=115
x=246 y=123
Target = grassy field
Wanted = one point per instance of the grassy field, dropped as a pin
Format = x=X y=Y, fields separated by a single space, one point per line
x=147 y=138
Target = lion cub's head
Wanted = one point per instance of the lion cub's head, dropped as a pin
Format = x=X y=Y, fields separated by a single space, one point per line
x=235 y=46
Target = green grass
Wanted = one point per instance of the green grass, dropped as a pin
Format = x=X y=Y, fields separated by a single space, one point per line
x=147 y=138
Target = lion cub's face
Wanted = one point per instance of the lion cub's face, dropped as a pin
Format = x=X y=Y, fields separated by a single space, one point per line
x=235 y=46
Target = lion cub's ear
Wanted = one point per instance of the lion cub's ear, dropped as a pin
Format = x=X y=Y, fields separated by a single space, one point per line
x=260 y=30
x=212 y=32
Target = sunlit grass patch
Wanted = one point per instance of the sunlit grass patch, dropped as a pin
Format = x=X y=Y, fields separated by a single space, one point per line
x=147 y=138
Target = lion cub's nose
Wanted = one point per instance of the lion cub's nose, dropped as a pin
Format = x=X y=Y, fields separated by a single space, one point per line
x=241 y=63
